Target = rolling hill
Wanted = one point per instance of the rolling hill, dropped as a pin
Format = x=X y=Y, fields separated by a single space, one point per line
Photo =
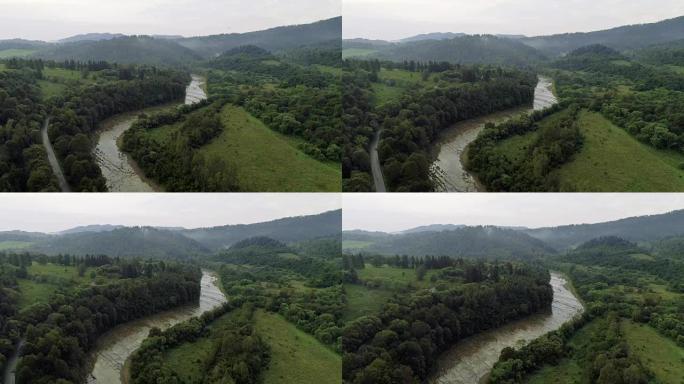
x=274 y=39
x=486 y=49
x=635 y=229
x=476 y=242
x=128 y=49
x=622 y=38
x=287 y=230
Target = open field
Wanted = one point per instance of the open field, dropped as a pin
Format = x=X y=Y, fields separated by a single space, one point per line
x=362 y=301
x=612 y=160
x=354 y=244
x=46 y=279
x=296 y=357
x=391 y=276
x=662 y=356
x=7 y=53
x=265 y=160
x=356 y=52
x=5 y=245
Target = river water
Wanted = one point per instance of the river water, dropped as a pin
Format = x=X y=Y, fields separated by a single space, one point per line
x=470 y=360
x=115 y=347
x=449 y=174
x=120 y=171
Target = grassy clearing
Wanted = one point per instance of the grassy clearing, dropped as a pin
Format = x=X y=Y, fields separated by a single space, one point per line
x=388 y=276
x=362 y=301
x=569 y=370
x=188 y=360
x=613 y=161
x=266 y=161
x=296 y=357
x=61 y=73
x=46 y=279
x=354 y=244
x=5 y=245
x=661 y=355
x=49 y=89
x=356 y=52
x=328 y=69
x=7 y=53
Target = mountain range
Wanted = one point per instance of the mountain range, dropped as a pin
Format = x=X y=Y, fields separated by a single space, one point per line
x=176 y=50
x=164 y=242
x=664 y=232
x=516 y=49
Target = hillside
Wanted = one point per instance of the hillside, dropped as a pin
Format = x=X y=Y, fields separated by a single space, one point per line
x=465 y=50
x=621 y=38
x=475 y=242
x=91 y=37
x=274 y=39
x=287 y=230
x=635 y=229
x=124 y=242
x=129 y=49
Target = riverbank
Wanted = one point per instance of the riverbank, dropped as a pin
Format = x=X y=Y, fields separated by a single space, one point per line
x=110 y=356
x=470 y=360
x=450 y=152
x=120 y=171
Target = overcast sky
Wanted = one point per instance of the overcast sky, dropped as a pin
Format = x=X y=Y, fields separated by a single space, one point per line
x=57 y=19
x=397 y=212
x=56 y=212
x=396 y=19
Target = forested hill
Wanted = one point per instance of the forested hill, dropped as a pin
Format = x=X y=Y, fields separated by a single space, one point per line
x=636 y=229
x=275 y=39
x=129 y=49
x=486 y=49
x=291 y=229
x=475 y=242
x=124 y=242
x=621 y=38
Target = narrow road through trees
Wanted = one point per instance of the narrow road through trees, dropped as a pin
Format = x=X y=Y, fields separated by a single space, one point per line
x=378 y=179
x=54 y=163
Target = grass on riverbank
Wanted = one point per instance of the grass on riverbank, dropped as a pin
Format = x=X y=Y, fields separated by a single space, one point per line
x=263 y=160
x=296 y=357
x=611 y=160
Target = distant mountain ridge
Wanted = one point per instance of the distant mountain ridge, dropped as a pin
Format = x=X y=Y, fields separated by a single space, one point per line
x=90 y=37
x=634 y=229
x=176 y=242
x=474 y=242
x=621 y=38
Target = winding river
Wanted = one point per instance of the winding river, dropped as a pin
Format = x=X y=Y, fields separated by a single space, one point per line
x=120 y=171
x=470 y=360
x=449 y=174
x=115 y=347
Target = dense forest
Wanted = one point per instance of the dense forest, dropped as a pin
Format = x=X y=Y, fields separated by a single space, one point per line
x=74 y=117
x=58 y=330
x=400 y=344
x=618 y=281
x=442 y=95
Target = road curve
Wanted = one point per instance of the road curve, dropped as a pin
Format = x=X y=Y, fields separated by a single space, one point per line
x=56 y=168
x=378 y=179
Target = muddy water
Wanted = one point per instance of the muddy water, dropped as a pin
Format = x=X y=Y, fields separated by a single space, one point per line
x=117 y=167
x=115 y=347
x=448 y=170
x=470 y=360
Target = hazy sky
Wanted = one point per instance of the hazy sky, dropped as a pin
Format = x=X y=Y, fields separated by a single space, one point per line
x=56 y=19
x=396 y=19
x=397 y=212
x=55 y=212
